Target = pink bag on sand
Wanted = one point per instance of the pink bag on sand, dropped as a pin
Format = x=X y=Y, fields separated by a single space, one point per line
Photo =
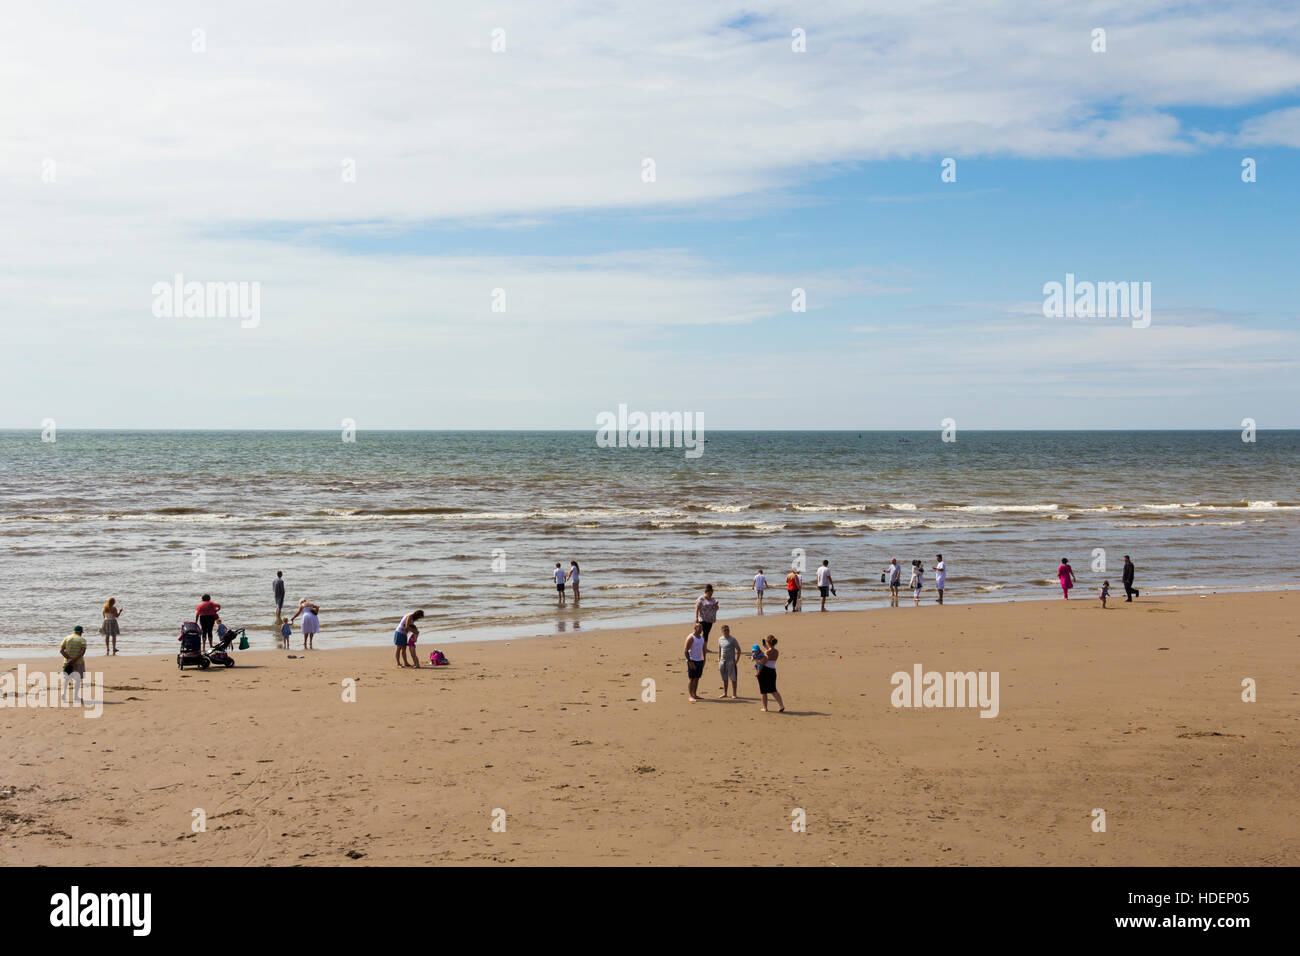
x=438 y=658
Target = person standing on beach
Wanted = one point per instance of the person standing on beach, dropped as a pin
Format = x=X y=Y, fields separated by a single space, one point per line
x=760 y=585
x=109 y=628
x=767 y=674
x=1065 y=574
x=559 y=582
x=573 y=579
x=1126 y=577
x=697 y=645
x=917 y=582
x=405 y=636
x=205 y=615
x=940 y=575
x=310 y=622
x=825 y=585
x=728 y=662
x=73 y=650
x=893 y=575
x=706 y=610
x=277 y=588
x=792 y=590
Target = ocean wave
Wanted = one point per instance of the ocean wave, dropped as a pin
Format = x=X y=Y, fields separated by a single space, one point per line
x=1002 y=509
x=705 y=527
x=815 y=508
x=1179 y=524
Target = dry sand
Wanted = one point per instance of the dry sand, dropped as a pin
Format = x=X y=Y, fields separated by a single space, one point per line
x=1136 y=710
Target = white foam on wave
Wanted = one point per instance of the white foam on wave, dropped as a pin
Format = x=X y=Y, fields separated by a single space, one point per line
x=814 y=508
x=1002 y=509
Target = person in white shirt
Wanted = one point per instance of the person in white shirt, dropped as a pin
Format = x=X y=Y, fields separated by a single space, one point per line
x=559 y=582
x=573 y=580
x=824 y=583
x=695 y=649
x=917 y=582
x=891 y=576
x=760 y=585
x=940 y=575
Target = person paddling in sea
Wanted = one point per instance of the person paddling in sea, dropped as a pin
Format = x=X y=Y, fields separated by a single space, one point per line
x=310 y=622
x=109 y=627
x=1065 y=574
x=573 y=581
x=405 y=636
x=277 y=591
x=559 y=583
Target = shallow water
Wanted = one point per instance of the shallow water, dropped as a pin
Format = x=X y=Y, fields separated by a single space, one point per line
x=469 y=525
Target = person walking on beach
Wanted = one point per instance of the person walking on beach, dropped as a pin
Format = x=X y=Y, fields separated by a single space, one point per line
x=1126 y=578
x=767 y=674
x=573 y=579
x=559 y=582
x=728 y=662
x=310 y=621
x=825 y=585
x=891 y=576
x=792 y=590
x=109 y=628
x=1065 y=574
x=697 y=645
x=706 y=610
x=1105 y=593
x=205 y=615
x=760 y=585
x=73 y=650
x=405 y=636
x=917 y=582
x=940 y=575
x=277 y=588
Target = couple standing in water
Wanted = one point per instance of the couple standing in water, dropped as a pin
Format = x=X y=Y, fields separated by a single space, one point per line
x=561 y=578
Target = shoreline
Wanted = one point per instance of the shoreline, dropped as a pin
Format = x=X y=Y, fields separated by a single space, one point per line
x=1097 y=709
x=660 y=618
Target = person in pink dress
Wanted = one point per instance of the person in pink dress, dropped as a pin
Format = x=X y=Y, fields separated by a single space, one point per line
x=1066 y=574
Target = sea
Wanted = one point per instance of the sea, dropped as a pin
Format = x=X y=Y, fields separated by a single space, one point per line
x=468 y=526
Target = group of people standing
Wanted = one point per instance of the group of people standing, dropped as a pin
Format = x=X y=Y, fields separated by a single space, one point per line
x=892 y=576
x=1065 y=574
x=696 y=649
x=794 y=587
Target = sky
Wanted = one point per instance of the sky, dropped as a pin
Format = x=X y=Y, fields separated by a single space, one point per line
x=448 y=214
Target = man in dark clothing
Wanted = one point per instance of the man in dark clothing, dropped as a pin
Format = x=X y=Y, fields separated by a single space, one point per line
x=1127 y=578
x=277 y=586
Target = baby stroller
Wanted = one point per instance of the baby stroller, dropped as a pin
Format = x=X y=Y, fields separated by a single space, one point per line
x=191 y=638
x=220 y=653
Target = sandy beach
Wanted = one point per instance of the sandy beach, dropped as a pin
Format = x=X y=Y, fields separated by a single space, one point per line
x=1136 y=710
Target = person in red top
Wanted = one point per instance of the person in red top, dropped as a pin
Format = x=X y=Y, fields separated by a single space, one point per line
x=206 y=617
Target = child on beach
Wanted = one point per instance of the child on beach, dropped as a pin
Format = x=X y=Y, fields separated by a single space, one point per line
x=404 y=637
x=1105 y=593
x=759 y=656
